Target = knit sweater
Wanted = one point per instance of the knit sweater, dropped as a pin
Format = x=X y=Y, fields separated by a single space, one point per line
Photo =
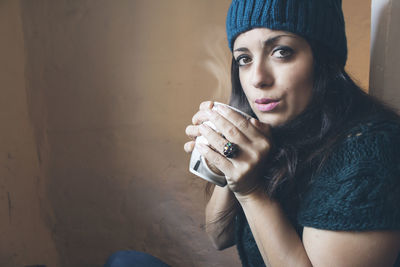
x=357 y=189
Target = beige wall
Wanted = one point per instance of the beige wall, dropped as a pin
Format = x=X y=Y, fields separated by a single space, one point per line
x=96 y=97
x=118 y=83
x=26 y=235
x=358 y=22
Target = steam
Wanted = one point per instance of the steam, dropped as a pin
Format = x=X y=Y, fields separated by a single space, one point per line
x=218 y=62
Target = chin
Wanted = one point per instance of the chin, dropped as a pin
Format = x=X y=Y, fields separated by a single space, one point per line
x=272 y=120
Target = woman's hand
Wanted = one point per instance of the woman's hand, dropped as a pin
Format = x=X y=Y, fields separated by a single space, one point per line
x=244 y=171
x=192 y=131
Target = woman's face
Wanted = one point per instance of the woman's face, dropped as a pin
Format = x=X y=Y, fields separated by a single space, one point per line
x=276 y=73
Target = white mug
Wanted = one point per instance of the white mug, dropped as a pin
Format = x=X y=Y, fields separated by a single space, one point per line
x=198 y=164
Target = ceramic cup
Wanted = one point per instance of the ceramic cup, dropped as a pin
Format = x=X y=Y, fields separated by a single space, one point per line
x=198 y=164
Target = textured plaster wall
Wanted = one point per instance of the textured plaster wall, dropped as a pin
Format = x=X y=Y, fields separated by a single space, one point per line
x=358 y=23
x=118 y=81
x=99 y=96
x=25 y=232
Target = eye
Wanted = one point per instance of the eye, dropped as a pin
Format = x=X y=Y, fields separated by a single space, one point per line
x=282 y=52
x=243 y=60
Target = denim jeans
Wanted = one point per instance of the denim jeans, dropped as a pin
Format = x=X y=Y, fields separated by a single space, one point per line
x=129 y=258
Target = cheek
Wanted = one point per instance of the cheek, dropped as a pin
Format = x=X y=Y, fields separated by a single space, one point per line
x=300 y=88
x=242 y=79
x=244 y=82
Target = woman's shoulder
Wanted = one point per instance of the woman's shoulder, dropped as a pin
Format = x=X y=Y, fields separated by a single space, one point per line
x=373 y=125
x=358 y=186
x=373 y=141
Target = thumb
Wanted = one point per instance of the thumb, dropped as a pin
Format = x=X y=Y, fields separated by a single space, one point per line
x=264 y=128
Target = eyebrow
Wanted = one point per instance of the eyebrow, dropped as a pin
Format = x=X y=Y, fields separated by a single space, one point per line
x=268 y=42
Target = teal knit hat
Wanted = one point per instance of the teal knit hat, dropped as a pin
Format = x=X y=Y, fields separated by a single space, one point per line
x=319 y=20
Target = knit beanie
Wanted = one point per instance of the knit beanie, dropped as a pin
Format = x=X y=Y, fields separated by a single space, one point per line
x=319 y=20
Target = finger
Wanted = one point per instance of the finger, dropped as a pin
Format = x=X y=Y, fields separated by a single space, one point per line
x=264 y=144
x=192 y=131
x=189 y=146
x=227 y=128
x=219 y=161
x=214 y=139
x=200 y=117
x=263 y=128
x=206 y=105
x=239 y=121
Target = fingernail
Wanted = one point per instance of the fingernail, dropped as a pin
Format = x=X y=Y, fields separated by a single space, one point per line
x=253 y=121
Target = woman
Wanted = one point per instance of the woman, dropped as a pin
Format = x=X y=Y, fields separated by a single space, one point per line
x=316 y=180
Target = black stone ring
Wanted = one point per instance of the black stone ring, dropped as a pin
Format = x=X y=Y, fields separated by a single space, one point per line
x=231 y=150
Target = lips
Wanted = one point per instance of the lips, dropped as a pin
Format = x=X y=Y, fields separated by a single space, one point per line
x=266 y=104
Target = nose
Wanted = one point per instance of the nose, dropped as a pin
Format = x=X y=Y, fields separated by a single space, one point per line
x=262 y=76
